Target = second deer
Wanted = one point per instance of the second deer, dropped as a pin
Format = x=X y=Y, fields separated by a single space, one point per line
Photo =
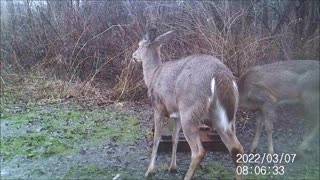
x=262 y=88
x=194 y=90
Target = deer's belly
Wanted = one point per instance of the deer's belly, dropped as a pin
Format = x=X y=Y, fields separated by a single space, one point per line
x=172 y=110
x=169 y=107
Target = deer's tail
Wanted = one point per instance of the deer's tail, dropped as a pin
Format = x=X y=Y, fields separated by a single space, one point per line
x=218 y=112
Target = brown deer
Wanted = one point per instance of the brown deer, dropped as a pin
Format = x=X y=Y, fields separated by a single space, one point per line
x=194 y=90
x=262 y=88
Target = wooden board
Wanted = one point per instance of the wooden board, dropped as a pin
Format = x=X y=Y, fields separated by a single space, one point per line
x=211 y=141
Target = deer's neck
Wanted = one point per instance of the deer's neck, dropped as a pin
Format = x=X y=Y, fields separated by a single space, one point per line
x=149 y=66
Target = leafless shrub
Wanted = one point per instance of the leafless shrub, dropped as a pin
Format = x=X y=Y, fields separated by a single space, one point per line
x=91 y=41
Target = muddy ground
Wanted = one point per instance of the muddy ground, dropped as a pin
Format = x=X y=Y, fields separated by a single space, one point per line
x=71 y=140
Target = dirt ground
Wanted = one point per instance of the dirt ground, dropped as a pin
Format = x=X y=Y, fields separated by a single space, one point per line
x=110 y=154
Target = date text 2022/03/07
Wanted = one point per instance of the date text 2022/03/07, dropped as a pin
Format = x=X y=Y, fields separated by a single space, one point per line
x=263 y=164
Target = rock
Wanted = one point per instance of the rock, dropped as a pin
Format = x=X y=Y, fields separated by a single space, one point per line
x=5 y=173
x=116 y=177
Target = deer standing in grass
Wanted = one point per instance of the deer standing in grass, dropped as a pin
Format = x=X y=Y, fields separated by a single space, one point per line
x=194 y=90
x=263 y=87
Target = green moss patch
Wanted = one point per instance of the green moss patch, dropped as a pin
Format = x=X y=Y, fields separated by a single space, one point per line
x=44 y=130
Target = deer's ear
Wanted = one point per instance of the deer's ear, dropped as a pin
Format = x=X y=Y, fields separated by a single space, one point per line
x=150 y=35
x=165 y=38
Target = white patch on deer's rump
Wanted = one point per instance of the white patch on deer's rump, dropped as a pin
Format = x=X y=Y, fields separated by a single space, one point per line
x=213 y=84
x=222 y=122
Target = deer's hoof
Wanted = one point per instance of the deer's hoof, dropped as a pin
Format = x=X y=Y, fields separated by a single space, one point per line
x=149 y=173
x=270 y=152
x=173 y=169
x=238 y=177
x=253 y=151
x=301 y=154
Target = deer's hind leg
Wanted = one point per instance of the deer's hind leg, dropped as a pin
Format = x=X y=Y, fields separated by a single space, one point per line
x=311 y=114
x=268 y=115
x=259 y=125
x=232 y=143
x=308 y=139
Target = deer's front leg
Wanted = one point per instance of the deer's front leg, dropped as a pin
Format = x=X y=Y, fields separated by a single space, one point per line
x=191 y=132
x=175 y=140
x=158 y=121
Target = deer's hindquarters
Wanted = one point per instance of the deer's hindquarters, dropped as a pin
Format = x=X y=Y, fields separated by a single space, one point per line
x=224 y=120
x=223 y=104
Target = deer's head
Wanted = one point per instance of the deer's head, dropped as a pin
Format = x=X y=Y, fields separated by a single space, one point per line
x=150 y=45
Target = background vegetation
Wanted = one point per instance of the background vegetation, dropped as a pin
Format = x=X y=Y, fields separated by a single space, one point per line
x=62 y=62
x=82 y=48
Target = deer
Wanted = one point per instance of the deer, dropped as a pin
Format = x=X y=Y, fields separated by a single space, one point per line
x=194 y=90
x=262 y=88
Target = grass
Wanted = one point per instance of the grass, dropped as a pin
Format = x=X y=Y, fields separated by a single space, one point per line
x=86 y=172
x=38 y=125
x=61 y=128
x=42 y=130
x=31 y=146
x=218 y=170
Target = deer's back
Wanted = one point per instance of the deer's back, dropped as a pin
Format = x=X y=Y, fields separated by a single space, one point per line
x=185 y=83
x=283 y=80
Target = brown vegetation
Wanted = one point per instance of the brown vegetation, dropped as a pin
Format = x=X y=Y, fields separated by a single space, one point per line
x=91 y=42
